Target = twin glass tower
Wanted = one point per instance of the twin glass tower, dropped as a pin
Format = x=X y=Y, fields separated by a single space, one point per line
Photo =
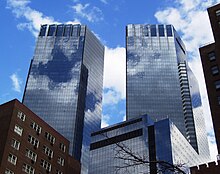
x=65 y=81
x=64 y=85
x=160 y=83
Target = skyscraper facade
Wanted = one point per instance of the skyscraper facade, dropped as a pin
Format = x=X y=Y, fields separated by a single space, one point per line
x=210 y=56
x=64 y=84
x=161 y=84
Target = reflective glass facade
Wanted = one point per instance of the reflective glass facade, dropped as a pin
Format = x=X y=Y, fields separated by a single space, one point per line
x=160 y=141
x=64 y=84
x=172 y=146
x=153 y=85
x=161 y=84
x=105 y=155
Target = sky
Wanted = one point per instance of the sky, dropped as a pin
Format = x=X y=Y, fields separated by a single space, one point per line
x=107 y=19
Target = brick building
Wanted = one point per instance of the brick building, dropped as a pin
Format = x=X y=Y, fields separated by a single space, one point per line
x=210 y=168
x=29 y=145
x=210 y=56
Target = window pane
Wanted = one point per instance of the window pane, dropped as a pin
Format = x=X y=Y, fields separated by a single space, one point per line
x=67 y=31
x=15 y=144
x=217 y=13
x=214 y=70
x=52 y=29
x=169 y=30
x=153 y=30
x=218 y=100
x=145 y=30
x=76 y=30
x=21 y=115
x=43 y=30
x=211 y=56
x=7 y=171
x=217 y=85
x=18 y=130
x=60 y=30
x=161 y=30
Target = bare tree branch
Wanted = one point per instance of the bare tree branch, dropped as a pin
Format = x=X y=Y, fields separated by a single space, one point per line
x=132 y=159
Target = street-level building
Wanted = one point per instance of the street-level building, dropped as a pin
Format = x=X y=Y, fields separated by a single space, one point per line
x=115 y=149
x=210 y=57
x=30 y=145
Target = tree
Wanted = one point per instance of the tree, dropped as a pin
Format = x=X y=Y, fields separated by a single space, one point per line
x=131 y=159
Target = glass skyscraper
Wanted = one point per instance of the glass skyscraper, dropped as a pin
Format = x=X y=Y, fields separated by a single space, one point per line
x=160 y=83
x=64 y=84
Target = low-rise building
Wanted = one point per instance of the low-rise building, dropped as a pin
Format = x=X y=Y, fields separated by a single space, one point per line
x=30 y=145
x=140 y=145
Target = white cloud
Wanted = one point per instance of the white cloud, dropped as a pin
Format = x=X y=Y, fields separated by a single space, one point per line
x=34 y=19
x=111 y=97
x=191 y=20
x=92 y=14
x=115 y=70
x=124 y=118
x=105 y=120
x=104 y=1
x=16 y=82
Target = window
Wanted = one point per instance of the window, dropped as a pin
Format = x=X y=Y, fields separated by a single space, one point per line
x=211 y=56
x=15 y=144
x=18 y=130
x=218 y=100
x=169 y=30
x=48 y=151
x=153 y=30
x=52 y=29
x=31 y=155
x=145 y=30
x=7 y=171
x=43 y=30
x=36 y=127
x=62 y=147
x=67 y=30
x=28 y=169
x=34 y=141
x=59 y=172
x=161 y=30
x=217 y=13
x=60 y=29
x=12 y=159
x=21 y=115
x=60 y=161
x=215 y=70
x=45 y=165
x=49 y=137
x=217 y=84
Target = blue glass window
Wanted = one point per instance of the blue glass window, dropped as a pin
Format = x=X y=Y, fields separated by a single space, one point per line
x=161 y=30
x=43 y=30
x=130 y=41
x=145 y=31
x=169 y=30
x=76 y=30
x=153 y=30
x=52 y=29
x=68 y=30
x=59 y=30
